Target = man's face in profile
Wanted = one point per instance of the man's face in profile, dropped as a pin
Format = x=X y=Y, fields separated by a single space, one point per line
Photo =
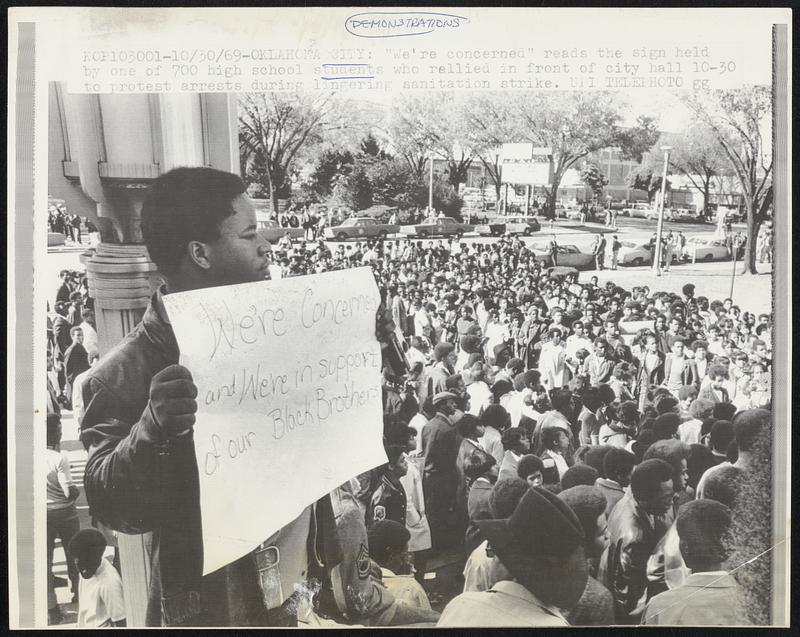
x=238 y=255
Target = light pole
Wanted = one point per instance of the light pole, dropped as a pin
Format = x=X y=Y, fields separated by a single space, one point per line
x=660 y=227
x=430 y=187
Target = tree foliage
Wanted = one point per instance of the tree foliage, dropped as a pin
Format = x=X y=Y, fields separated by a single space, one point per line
x=573 y=124
x=635 y=141
x=593 y=177
x=739 y=120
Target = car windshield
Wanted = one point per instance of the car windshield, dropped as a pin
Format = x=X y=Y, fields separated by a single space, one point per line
x=349 y=222
x=366 y=221
x=628 y=244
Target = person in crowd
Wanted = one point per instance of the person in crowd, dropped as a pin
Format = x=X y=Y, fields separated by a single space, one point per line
x=516 y=445
x=388 y=501
x=599 y=365
x=637 y=523
x=618 y=466
x=200 y=230
x=101 y=600
x=388 y=547
x=416 y=521
x=470 y=430
x=62 y=515
x=556 y=444
x=531 y=469
x=440 y=444
x=579 y=473
x=679 y=369
x=495 y=420
x=709 y=596
x=747 y=426
x=700 y=410
x=719 y=439
x=542 y=546
x=716 y=390
x=481 y=474
x=553 y=361
x=558 y=417
x=596 y=605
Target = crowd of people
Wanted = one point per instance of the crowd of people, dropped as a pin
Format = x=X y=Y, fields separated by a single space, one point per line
x=70 y=225
x=574 y=449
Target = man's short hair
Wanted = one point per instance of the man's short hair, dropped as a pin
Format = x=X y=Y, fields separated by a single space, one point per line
x=647 y=475
x=670 y=451
x=184 y=205
x=72 y=330
x=86 y=312
x=385 y=538
x=747 y=425
x=595 y=456
x=560 y=399
x=701 y=525
x=722 y=434
x=87 y=542
x=666 y=426
x=687 y=391
x=723 y=484
x=495 y=416
x=724 y=411
x=467 y=426
x=505 y=496
x=617 y=462
x=528 y=465
x=579 y=474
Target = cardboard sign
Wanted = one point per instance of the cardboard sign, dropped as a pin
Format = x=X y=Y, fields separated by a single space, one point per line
x=289 y=402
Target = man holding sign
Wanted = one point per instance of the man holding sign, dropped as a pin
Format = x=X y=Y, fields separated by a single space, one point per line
x=144 y=468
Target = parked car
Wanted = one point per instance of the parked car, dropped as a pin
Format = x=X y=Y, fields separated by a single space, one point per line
x=521 y=224
x=361 y=228
x=442 y=226
x=682 y=215
x=708 y=249
x=568 y=255
x=272 y=231
x=640 y=210
x=634 y=253
x=492 y=228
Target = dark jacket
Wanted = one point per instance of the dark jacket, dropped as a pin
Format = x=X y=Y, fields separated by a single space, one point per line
x=61 y=335
x=136 y=481
x=440 y=443
x=388 y=502
x=623 y=566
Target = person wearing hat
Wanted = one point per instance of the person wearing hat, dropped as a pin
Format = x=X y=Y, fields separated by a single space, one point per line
x=440 y=444
x=709 y=596
x=542 y=546
x=637 y=523
x=444 y=361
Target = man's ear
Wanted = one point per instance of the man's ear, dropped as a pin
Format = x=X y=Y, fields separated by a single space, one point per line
x=198 y=253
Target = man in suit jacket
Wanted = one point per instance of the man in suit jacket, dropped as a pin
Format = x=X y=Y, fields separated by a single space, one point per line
x=637 y=523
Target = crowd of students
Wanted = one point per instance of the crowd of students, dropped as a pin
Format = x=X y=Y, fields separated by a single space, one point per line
x=542 y=419
x=577 y=450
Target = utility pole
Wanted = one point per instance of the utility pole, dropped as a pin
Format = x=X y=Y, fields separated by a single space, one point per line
x=660 y=227
x=430 y=187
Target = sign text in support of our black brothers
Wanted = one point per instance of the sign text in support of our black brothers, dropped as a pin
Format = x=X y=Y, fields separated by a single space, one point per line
x=288 y=378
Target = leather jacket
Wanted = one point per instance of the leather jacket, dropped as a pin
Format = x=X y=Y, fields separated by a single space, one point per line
x=137 y=481
x=623 y=566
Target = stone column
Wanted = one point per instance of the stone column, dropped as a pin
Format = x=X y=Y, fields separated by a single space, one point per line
x=110 y=148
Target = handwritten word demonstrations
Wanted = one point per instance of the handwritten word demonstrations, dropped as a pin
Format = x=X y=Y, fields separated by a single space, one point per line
x=288 y=378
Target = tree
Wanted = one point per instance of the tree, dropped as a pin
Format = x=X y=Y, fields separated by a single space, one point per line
x=572 y=124
x=432 y=126
x=648 y=180
x=330 y=164
x=635 y=141
x=488 y=125
x=594 y=178
x=697 y=155
x=740 y=122
x=276 y=129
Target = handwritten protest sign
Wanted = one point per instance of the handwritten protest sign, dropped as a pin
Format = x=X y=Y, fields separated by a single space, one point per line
x=289 y=402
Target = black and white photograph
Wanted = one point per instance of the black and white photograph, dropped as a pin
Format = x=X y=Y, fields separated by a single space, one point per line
x=372 y=351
